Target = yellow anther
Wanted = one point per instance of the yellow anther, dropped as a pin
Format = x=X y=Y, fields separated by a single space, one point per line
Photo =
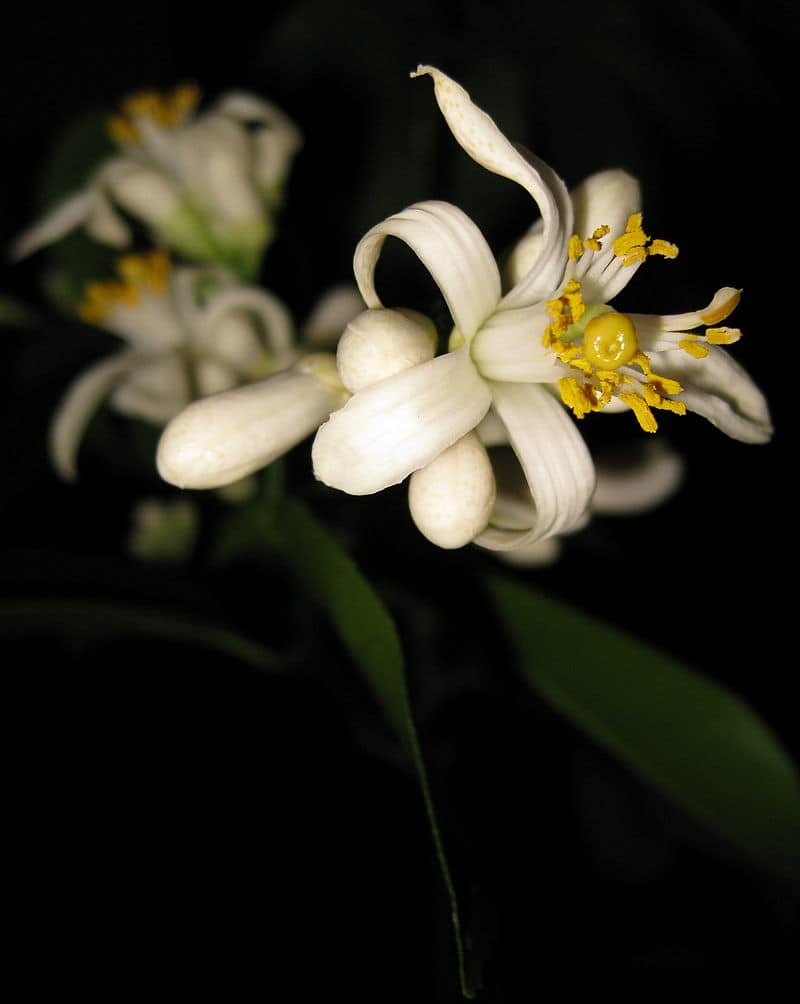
x=723 y=336
x=136 y=274
x=677 y=407
x=575 y=249
x=166 y=110
x=640 y=409
x=695 y=349
x=577 y=396
x=724 y=303
x=665 y=385
x=664 y=248
x=594 y=243
x=610 y=341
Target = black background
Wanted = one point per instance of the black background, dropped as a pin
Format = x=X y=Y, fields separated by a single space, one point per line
x=179 y=826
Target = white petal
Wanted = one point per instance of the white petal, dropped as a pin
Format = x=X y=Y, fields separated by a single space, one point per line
x=479 y=135
x=276 y=140
x=554 y=457
x=452 y=498
x=626 y=487
x=104 y=223
x=77 y=407
x=147 y=193
x=331 y=315
x=236 y=345
x=509 y=348
x=249 y=108
x=379 y=343
x=273 y=315
x=537 y=554
x=222 y=438
x=453 y=250
x=64 y=217
x=720 y=390
x=394 y=427
x=154 y=390
x=491 y=430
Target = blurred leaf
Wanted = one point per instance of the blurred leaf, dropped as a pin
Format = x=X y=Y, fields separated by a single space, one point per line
x=692 y=739
x=90 y=621
x=363 y=624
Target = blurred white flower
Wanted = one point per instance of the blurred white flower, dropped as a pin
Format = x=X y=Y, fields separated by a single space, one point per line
x=511 y=357
x=220 y=439
x=205 y=185
x=190 y=331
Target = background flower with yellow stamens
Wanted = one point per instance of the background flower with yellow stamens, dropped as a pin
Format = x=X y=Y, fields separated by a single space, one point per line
x=207 y=185
x=189 y=332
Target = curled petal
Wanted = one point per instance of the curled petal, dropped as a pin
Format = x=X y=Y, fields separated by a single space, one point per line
x=720 y=389
x=276 y=140
x=155 y=389
x=554 y=458
x=509 y=348
x=78 y=405
x=63 y=218
x=400 y=424
x=479 y=135
x=219 y=439
x=452 y=498
x=453 y=250
x=274 y=317
x=633 y=487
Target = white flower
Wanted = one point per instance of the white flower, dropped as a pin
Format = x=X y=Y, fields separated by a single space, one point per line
x=218 y=440
x=190 y=331
x=511 y=357
x=205 y=185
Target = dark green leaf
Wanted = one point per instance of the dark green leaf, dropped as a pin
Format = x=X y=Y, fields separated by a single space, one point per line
x=368 y=632
x=691 y=738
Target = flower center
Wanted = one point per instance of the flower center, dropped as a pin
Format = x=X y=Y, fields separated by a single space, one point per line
x=137 y=274
x=609 y=341
x=166 y=110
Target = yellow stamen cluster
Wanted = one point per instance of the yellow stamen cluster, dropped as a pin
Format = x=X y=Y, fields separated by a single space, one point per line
x=167 y=110
x=635 y=245
x=608 y=342
x=137 y=274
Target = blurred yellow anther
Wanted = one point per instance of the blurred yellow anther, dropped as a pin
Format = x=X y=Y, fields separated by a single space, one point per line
x=166 y=110
x=137 y=274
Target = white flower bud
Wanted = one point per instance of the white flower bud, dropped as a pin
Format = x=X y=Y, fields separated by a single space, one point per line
x=379 y=343
x=452 y=498
x=222 y=438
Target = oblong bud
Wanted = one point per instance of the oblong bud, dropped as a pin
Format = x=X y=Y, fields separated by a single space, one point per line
x=219 y=439
x=452 y=498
